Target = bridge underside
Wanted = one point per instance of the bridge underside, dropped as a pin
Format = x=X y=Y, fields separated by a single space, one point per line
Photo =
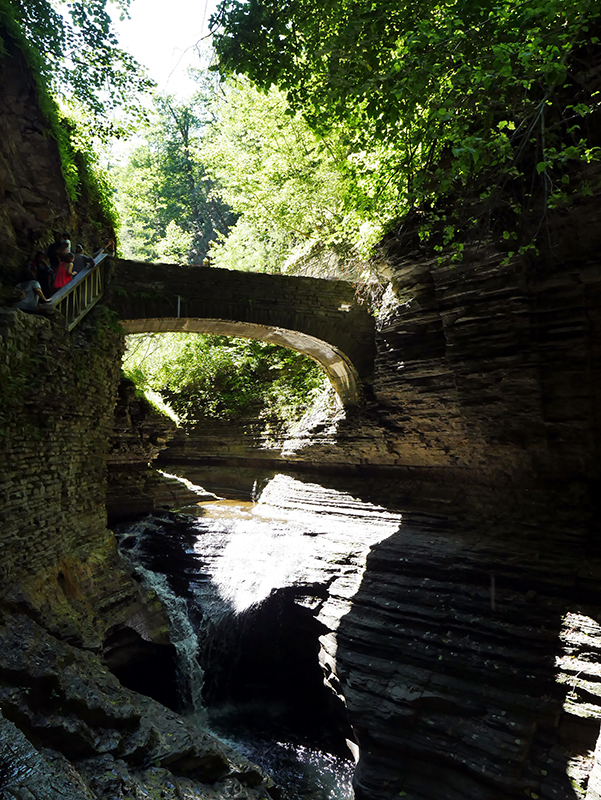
x=336 y=365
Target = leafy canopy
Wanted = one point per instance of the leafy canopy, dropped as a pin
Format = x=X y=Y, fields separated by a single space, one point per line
x=304 y=204
x=217 y=377
x=234 y=173
x=77 y=54
x=273 y=171
x=462 y=95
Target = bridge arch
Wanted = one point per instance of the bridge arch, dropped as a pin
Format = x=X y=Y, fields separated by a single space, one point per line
x=319 y=318
x=340 y=371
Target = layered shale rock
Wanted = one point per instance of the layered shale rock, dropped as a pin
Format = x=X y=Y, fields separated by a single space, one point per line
x=464 y=645
x=468 y=657
x=461 y=661
x=32 y=198
x=486 y=393
x=139 y=433
x=462 y=658
x=69 y=605
x=70 y=730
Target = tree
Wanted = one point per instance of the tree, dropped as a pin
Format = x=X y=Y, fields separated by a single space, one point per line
x=300 y=203
x=164 y=193
x=76 y=55
x=464 y=96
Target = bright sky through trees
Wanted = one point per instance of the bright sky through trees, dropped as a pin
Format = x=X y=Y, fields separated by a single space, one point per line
x=162 y=36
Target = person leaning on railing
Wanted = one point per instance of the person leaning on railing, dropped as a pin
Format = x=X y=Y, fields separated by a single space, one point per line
x=32 y=294
x=81 y=261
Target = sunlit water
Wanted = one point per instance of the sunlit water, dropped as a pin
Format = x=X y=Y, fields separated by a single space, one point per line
x=288 y=538
x=306 y=772
x=297 y=534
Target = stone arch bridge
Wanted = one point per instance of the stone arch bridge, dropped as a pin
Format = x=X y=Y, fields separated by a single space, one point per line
x=319 y=318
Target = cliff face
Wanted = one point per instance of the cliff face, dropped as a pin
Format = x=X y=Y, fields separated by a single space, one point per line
x=468 y=658
x=486 y=390
x=69 y=607
x=32 y=191
x=466 y=654
x=33 y=196
x=492 y=372
x=58 y=393
x=139 y=433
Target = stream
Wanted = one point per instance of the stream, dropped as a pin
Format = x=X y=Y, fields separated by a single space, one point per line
x=249 y=588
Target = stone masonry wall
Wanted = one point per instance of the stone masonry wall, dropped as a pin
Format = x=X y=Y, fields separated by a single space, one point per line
x=58 y=558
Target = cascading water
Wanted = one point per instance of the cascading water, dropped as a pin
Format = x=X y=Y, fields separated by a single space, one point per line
x=261 y=580
x=183 y=636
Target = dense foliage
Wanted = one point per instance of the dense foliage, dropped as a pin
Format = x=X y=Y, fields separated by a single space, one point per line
x=287 y=184
x=77 y=54
x=250 y=183
x=165 y=196
x=464 y=97
x=467 y=118
x=205 y=376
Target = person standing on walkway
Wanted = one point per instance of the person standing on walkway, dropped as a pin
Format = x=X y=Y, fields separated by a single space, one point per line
x=65 y=273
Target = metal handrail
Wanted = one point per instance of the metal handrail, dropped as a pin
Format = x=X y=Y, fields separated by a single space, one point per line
x=82 y=293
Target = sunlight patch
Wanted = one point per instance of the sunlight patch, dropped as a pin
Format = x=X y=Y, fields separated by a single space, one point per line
x=155 y=400
x=193 y=487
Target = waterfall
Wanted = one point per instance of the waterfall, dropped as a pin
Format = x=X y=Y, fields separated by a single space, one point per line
x=250 y=588
x=183 y=637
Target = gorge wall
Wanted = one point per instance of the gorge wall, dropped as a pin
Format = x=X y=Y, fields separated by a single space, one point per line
x=33 y=195
x=468 y=658
x=72 y=615
x=486 y=384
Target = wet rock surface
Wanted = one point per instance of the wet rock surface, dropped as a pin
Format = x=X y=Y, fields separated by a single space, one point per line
x=69 y=729
x=448 y=661
x=464 y=655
